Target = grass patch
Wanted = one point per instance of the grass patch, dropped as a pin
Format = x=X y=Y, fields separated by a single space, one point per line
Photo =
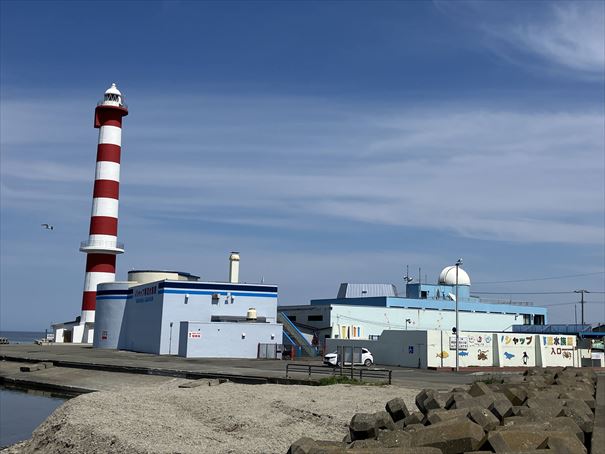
x=490 y=380
x=344 y=380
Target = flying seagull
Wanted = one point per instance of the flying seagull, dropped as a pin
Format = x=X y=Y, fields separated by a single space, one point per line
x=47 y=226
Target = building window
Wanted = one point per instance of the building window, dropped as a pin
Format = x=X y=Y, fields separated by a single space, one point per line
x=315 y=318
x=538 y=320
x=291 y=317
x=424 y=294
x=526 y=319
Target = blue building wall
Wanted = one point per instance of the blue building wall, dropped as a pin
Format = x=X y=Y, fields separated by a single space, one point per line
x=226 y=340
x=153 y=312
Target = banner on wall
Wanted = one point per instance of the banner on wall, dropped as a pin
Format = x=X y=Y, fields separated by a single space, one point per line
x=557 y=350
x=516 y=349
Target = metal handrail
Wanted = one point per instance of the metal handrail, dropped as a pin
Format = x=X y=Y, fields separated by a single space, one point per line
x=311 y=369
x=123 y=104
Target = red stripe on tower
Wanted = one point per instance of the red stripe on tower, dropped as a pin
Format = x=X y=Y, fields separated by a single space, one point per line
x=102 y=245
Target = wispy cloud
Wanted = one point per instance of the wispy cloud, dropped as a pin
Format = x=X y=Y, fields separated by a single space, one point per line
x=572 y=36
x=505 y=175
x=565 y=37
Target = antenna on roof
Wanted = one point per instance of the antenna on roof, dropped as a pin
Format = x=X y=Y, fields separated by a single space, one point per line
x=407 y=277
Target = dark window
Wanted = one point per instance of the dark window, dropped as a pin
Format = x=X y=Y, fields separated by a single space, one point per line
x=315 y=318
x=538 y=320
x=424 y=294
x=292 y=317
x=526 y=319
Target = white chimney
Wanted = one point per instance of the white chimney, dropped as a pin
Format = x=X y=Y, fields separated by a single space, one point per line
x=234 y=267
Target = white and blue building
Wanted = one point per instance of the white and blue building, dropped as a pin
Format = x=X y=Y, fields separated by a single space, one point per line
x=364 y=311
x=173 y=313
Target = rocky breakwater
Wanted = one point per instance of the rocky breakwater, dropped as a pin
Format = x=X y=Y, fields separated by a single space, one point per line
x=548 y=410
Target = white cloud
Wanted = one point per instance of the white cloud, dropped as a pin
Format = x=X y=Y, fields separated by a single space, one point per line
x=480 y=173
x=573 y=36
x=563 y=37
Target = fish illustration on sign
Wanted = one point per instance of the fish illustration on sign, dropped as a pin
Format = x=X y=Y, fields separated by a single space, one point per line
x=443 y=354
x=481 y=355
x=508 y=355
x=463 y=353
x=566 y=354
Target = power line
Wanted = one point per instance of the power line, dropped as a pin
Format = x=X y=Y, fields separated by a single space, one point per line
x=540 y=278
x=575 y=302
x=523 y=293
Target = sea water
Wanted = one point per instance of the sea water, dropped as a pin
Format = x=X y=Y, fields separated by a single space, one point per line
x=22 y=337
x=22 y=411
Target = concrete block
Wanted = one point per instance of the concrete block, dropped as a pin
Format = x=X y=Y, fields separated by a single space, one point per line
x=435 y=401
x=584 y=396
x=421 y=397
x=394 y=439
x=384 y=420
x=451 y=437
x=397 y=409
x=501 y=408
x=563 y=444
x=479 y=389
x=363 y=426
x=484 y=418
x=553 y=425
x=440 y=415
x=306 y=445
x=414 y=418
x=552 y=407
x=598 y=435
x=516 y=409
x=516 y=440
x=481 y=401
x=32 y=368
x=582 y=419
x=540 y=414
x=516 y=394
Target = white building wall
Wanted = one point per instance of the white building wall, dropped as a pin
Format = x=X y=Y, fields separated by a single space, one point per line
x=557 y=350
x=516 y=350
x=374 y=320
x=475 y=349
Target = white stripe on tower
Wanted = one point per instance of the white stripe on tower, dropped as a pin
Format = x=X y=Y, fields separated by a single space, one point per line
x=102 y=245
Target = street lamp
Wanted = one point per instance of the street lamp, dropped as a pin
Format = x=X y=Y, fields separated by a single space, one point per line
x=458 y=263
x=407 y=320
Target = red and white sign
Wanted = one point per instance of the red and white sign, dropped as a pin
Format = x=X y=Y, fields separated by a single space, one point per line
x=104 y=335
x=195 y=335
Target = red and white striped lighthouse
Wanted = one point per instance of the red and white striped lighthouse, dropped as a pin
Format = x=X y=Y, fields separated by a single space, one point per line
x=102 y=245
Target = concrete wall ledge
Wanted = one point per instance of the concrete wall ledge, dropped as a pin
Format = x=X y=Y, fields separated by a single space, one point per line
x=598 y=434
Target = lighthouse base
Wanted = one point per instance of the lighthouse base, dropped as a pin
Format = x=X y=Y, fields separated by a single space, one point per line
x=73 y=332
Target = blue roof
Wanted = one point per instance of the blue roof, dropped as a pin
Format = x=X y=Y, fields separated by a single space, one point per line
x=433 y=304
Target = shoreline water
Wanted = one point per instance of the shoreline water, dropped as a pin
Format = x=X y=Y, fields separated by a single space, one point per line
x=22 y=337
x=22 y=412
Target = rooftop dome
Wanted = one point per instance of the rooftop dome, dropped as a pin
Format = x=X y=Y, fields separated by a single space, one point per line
x=448 y=276
x=113 y=90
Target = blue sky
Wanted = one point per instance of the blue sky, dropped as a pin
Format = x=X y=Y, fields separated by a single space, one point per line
x=328 y=142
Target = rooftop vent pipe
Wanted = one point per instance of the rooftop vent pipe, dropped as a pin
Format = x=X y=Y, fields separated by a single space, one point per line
x=234 y=267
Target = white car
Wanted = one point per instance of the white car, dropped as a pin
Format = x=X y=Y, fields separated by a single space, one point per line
x=331 y=359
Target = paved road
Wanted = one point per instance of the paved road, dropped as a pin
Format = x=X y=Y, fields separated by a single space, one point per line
x=84 y=356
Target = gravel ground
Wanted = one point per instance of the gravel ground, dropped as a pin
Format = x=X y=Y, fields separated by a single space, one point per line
x=227 y=418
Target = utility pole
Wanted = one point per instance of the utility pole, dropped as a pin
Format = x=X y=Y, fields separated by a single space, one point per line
x=458 y=264
x=581 y=303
